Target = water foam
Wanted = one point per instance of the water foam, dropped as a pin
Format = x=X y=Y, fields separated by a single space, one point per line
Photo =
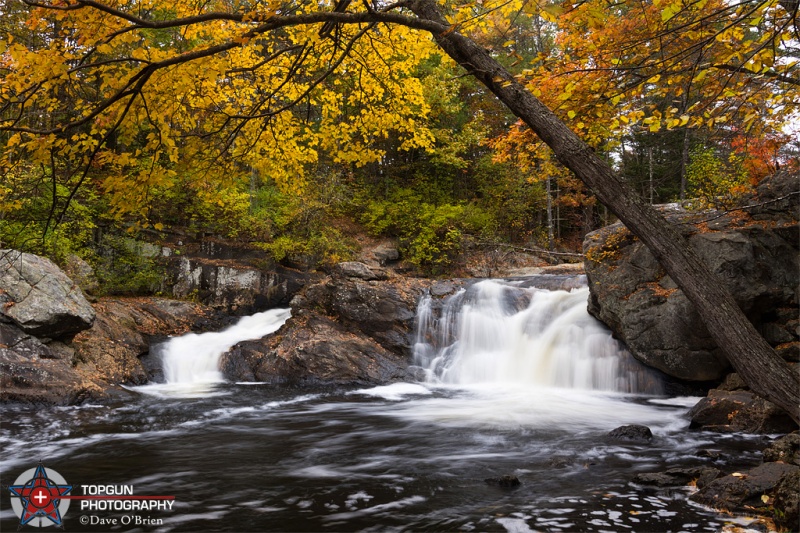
x=498 y=332
x=194 y=358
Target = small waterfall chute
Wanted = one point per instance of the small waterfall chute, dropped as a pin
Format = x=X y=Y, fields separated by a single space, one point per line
x=190 y=363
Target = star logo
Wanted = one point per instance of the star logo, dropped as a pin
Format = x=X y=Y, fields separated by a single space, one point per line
x=38 y=493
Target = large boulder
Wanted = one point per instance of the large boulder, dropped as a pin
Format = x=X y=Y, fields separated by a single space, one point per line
x=755 y=254
x=382 y=309
x=39 y=298
x=313 y=350
x=353 y=327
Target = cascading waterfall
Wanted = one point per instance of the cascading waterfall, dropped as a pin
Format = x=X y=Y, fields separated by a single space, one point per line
x=194 y=358
x=504 y=332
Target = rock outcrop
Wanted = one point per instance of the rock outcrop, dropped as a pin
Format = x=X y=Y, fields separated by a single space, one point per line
x=114 y=350
x=233 y=279
x=353 y=327
x=92 y=364
x=39 y=299
x=755 y=253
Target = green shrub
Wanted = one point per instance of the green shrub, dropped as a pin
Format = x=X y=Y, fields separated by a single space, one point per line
x=430 y=235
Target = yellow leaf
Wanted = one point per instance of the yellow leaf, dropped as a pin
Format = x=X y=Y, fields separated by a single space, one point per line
x=571 y=114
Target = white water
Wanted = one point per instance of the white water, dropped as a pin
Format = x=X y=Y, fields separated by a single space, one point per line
x=497 y=332
x=191 y=362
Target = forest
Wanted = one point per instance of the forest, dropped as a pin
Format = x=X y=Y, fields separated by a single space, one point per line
x=294 y=126
x=238 y=249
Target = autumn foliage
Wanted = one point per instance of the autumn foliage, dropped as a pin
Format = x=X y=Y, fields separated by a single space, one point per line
x=228 y=117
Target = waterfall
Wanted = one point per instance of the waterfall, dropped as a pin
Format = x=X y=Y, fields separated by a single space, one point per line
x=194 y=358
x=506 y=332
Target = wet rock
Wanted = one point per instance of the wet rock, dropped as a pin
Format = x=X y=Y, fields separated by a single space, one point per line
x=39 y=298
x=786 y=450
x=632 y=433
x=382 y=310
x=343 y=330
x=313 y=349
x=559 y=462
x=733 y=381
x=443 y=288
x=714 y=455
x=732 y=411
x=676 y=477
x=15 y=344
x=46 y=381
x=745 y=491
x=508 y=481
x=755 y=256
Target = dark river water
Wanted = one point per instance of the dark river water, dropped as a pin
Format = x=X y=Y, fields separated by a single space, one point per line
x=521 y=381
x=406 y=457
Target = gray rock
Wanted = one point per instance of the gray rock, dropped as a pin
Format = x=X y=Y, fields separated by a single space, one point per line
x=81 y=273
x=755 y=258
x=39 y=298
x=343 y=330
x=382 y=310
x=354 y=269
x=786 y=499
x=17 y=345
x=733 y=381
x=508 y=481
x=312 y=350
x=385 y=253
x=233 y=286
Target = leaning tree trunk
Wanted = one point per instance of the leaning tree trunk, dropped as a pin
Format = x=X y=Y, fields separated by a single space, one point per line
x=752 y=357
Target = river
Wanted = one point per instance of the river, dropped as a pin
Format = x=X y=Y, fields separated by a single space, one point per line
x=399 y=457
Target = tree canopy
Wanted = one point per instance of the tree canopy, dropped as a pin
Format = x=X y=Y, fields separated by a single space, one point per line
x=133 y=94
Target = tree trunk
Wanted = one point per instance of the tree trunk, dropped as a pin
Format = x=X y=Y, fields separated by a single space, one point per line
x=752 y=357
